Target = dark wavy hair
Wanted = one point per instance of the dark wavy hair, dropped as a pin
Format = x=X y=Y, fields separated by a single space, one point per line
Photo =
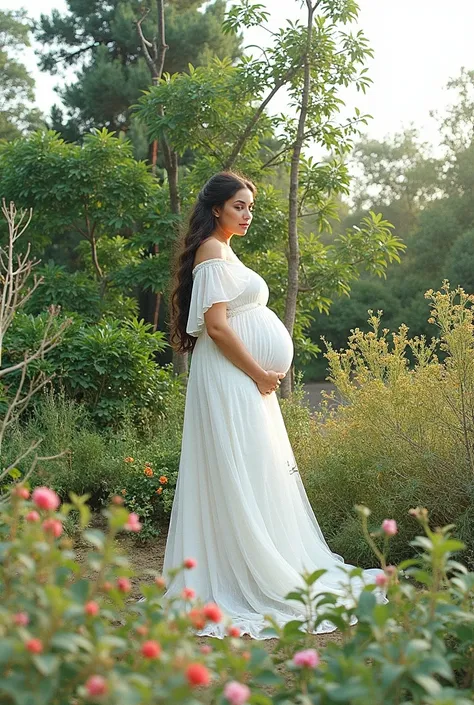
x=202 y=223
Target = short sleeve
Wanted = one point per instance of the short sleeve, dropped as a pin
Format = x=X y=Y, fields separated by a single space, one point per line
x=214 y=281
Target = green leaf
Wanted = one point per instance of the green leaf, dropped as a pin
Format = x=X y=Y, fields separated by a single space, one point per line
x=46 y=664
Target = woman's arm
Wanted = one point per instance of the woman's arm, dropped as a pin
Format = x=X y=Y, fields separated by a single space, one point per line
x=233 y=348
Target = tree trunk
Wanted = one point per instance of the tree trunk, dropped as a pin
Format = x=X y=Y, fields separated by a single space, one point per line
x=293 y=243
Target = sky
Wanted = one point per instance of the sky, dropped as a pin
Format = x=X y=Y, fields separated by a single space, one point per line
x=419 y=45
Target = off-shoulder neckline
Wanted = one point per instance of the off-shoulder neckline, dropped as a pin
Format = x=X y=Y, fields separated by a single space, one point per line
x=217 y=259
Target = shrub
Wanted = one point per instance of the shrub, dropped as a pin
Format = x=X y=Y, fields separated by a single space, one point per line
x=70 y=634
x=109 y=367
x=403 y=435
x=94 y=461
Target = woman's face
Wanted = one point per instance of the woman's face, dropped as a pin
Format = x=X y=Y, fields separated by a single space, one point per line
x=235 y=216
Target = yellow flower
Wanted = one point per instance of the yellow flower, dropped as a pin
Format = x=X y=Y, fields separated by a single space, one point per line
x=148 y=471
x=129 y=460
x=163 y=480
x=159 y=490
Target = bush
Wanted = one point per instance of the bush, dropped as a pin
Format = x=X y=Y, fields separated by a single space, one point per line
x=403 y=435
x=95 y=459
x=108 y=367
x=70 y=634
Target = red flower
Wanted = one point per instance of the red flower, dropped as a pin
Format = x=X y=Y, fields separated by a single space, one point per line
x=190 y=563
x=35 y=646
x=91 y=608
x=212 y=612
x=160 y=582
x=197 y=618
x=233 y=631
x=188 y=593
x=21 y=491
x=197 y=674
x=151 y=649
x=124 y=584
x=53 y=527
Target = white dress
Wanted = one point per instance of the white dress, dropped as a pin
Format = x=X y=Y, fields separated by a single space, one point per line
x=240 y=507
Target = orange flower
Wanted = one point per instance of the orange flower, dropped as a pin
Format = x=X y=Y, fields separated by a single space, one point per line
x=148 y=471
x=163 y=480
x=129 y=460
x=159 y=490
x=124 y=492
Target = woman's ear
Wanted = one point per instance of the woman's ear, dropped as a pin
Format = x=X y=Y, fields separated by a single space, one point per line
x=215 y=212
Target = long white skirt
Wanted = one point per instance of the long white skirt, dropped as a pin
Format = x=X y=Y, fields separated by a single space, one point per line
x=240 y=507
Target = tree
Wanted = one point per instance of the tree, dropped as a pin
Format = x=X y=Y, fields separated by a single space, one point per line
x=399 y=172
x=17 y=87
x=219 y=112
x=16 y=288
x=102 y=40
x=99 y=191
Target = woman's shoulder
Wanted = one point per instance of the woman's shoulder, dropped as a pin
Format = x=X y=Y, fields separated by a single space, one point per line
x=210 y=249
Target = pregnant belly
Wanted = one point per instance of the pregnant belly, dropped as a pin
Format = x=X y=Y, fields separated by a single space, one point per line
x=265 y=337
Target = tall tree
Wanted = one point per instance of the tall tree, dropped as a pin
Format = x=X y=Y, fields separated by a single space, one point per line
x=102 y=40
x=17 y=86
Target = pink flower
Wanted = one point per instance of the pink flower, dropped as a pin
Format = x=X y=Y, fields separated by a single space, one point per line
x=188 y=593
x=21 y=619
x=206 y=649
x=190 y=563
x=389 y=526
x=133 y=522
x=160 y=581
x=32 y=516
x=124 y=584
x=91 y=608
x=151 y=649
x=53 y=527
x=96 y=685
x=308 y=658
x=44 y=498
x=236 y=693
x=34 y=646
x=381 y=580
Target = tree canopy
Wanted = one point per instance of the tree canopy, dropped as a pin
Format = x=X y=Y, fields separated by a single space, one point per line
x=17 y=87
x=102 y=41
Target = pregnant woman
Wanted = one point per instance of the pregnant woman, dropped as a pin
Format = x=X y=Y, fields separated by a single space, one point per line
x=240 y=507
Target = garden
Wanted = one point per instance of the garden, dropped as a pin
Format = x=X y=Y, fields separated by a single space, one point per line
x=92 y=396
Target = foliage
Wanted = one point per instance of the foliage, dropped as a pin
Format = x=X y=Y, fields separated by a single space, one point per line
x=97 y=190
x=148 y=489
x=94 y=460
x=219 y=111
x=103 y=42
x=17 y=90
x=402 y=435
x=70 y=637
x=109 y=367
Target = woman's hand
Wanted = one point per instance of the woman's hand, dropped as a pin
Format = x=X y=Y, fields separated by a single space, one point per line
x=270 y=381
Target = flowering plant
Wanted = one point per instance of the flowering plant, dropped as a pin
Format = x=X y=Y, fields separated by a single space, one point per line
x=148 y=490
x=73 y=632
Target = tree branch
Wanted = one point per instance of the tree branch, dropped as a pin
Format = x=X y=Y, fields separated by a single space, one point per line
x=256 y=116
